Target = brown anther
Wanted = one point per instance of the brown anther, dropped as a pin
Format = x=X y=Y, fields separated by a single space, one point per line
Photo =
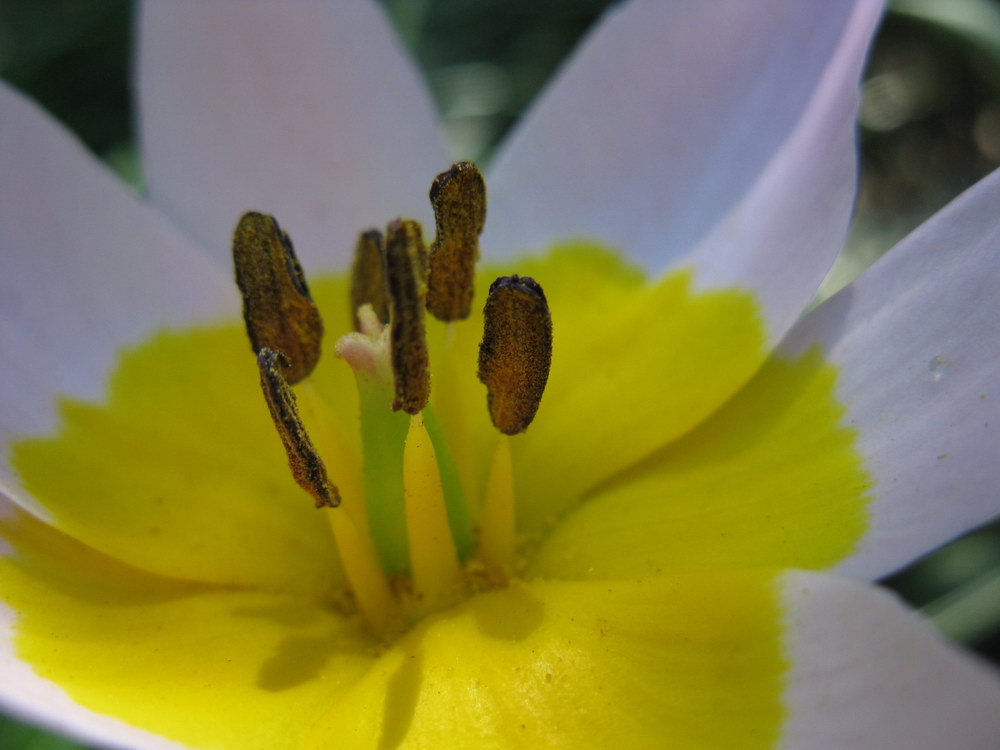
x=277 y=307
x=515 y=352
x=306 y=465
x=458 y=198
x=368 y=283
x=406 y=270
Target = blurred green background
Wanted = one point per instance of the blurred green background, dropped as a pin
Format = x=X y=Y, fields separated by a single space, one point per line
x=930 y=127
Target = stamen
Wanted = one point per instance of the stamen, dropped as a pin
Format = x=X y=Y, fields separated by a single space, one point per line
x=349 y=522
x=306 y=465
x=277 y=308
x=515 y=352
x=368 y=283
x=406 y=266
x=496 y=540
x=458 y=198
x=437 y=576
x=364 y=574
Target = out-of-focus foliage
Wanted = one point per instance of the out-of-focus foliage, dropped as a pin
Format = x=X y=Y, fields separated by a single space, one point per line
x=930 y=127
x=930 y=119
x=73 y=57
x=17 y=736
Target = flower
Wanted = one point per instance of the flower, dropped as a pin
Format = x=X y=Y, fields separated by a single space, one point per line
x=713 y=461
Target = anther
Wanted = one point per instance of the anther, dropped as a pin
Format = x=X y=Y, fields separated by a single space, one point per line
x=406 y=270
x=515 y=352
x=277 y=307
x=368 y=283
x=458 y=198
x=306 y=465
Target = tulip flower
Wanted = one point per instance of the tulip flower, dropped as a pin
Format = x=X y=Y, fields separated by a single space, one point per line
x=635 y=498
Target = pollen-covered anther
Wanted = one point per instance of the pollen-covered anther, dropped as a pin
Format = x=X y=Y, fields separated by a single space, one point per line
x=458 y=198
x=406 y=267
x=306 y=465
x=277 y=307
x=368 y=281
x=516 y=351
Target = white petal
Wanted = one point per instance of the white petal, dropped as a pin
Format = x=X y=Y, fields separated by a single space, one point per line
x=674 y=116
x=310 y=111
x=866 y=674
x=916 y=340
x=783 y=235
x=87 y=269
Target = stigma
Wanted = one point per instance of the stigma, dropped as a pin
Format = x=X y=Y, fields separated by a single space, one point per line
x=417 y=536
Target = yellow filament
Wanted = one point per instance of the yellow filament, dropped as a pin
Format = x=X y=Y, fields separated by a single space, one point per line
x=350 y=521
x=497 y=535
x=364 y=574
x=450 y=406
x=437 y=576
x=342 y=461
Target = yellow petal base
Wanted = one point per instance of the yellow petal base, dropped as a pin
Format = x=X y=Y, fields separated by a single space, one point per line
x=205 y=600
x=686 y=661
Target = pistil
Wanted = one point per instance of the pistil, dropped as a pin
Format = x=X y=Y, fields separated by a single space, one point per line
x=383 y=432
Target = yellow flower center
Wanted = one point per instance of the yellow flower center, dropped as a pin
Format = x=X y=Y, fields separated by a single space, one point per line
x=204 y=576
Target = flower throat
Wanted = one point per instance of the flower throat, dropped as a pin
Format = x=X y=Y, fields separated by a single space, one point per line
x=407 y=540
